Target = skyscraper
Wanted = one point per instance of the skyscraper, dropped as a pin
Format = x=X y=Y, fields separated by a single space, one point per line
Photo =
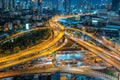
x=33 y=4
x=19 y=5
x=11 y=5
x=115 y=5
x=5 y=4
x=67 y=5
x=55 y=4
x=40 y=7
x=1 y=4
x=60 y=6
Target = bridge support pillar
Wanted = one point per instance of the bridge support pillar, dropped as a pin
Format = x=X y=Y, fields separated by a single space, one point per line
x=54 y=61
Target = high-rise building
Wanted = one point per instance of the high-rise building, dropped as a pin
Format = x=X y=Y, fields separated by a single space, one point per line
x=55 y=4
x=11 y=5
x=67 y=5
x=39 y=7
x=61 y=6
x=19 y=5
x=1 y=4
x=5 y=4
x=115 y=5
x=33 y=4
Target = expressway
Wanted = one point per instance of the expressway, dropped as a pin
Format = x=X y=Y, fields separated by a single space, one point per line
x=27 y=51
x=20 y=33
x=104 y=42
x=53 y=44
x=110 y=56
x=20 y=58
x=73 y=70
x=97 y=52
x=24 y=52
x=98 y=40
x=106 y=52
x=109 y=42
x=32 y=49
x=37 y=55
x=50 y=42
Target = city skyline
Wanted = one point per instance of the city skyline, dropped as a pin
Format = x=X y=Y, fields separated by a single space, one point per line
x=59 y=40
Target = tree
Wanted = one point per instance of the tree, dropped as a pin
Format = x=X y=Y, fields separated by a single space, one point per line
x=23 y=47
x=7 y=52
x=16 y=49
x=110 y=72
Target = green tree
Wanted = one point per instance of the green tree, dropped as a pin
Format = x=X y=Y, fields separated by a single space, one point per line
x=7 y=52
x=110 y=72
x=16 y=49
x=23 y=47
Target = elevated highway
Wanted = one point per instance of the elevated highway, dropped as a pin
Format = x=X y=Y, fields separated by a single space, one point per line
x=20 y=33
x=50 y=42
x=37 y=55
x=59 y=31
x=97 y=52
x=98 y=40
x=106 y=52
x=109 y=42
x=73 y=70
x=14 y=58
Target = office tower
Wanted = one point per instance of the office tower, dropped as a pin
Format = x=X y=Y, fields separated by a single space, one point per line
x=39 y=3
x=19 y=5
x=39 y=7
x=107 y=5
x=33 y=4
x=67 y=5
x=11 y=5
x=29 y=5
x=5 y=4
x=115 y=5
x=1 y=4
x=55 y=4
x=60 y=5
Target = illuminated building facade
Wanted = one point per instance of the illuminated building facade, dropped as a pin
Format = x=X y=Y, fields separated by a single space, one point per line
x=115 y=5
